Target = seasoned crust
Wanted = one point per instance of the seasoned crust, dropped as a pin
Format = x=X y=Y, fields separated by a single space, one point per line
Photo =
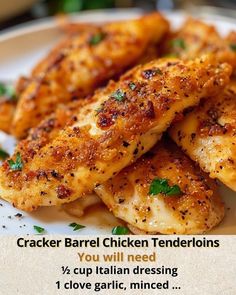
x=196 y=38
x=50 y=127
x=195 y=211
x=76 y=67
x=208 y=133
x=62 y=111
x=87 y=153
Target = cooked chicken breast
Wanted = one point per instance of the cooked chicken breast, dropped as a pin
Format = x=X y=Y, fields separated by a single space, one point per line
x=63 y=111
x=125 y=120
x=208 y=135
x=213 y=148
x=195 y=38
x=83 y=62
x=64 y=115
x=139 y=194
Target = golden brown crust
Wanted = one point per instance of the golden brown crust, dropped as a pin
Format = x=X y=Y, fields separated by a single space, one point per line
x=196 y=38
x=65 y=114
x=90 y=151
x=195 y=211
x=50 y=127
x=77 y=66
x=207 y=135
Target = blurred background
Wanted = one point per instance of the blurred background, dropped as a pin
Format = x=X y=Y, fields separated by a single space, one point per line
x=14 y=12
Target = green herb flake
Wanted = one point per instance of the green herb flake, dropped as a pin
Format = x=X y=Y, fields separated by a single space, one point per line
x=119 y=95
x=7 y=91
x=96 y=39
x=39 y=229
x=158 y=71
x=233 y=46
x=18 y=164
x=178 y=43
x=120 y=230
x=76 y=226
x=160 y=185
x=3 y=154
x=132 y=85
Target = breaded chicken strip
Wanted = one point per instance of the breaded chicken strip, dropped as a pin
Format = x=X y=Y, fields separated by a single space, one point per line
x=64 y=115
x=125 y=120
x=8 y=107
x=214 y=150
x=164 y=192
x=195 y=38
x=83 y=62
x=208 y=135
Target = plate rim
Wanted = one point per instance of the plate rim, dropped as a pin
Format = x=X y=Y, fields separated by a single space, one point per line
x=51 y=22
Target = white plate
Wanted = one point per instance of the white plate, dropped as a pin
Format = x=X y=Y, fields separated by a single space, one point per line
x=20 y=49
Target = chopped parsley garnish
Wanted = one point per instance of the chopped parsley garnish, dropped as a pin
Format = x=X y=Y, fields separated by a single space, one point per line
x=3 y=154
x=7 y=91
x=178 y=43
x=39 y=229
x=120 y=230
x=132 y=85
x=118 y=95
x=96 y=39
x=16 y=165
x=158 y=71
x=76 y=226
x=160 y=185
x=233 y=46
